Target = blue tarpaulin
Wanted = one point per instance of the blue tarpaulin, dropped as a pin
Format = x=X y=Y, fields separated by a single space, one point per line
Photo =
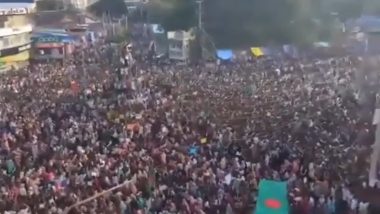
x=193 y=150
x=224 y=54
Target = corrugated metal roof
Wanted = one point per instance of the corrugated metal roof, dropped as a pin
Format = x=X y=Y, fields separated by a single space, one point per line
x=8 y=5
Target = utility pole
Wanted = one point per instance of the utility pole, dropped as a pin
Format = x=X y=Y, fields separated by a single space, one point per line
x=200 y=27
x=374 y=87
x=376 y=151
x=200 y=2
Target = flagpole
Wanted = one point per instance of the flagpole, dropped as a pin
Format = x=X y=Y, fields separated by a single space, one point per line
x=97 y=195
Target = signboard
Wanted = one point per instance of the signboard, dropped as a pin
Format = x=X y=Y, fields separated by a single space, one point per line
x=17 y=1
x=22 y=56
x=49 y=39
x=14 y=50
x=49 y=45
x=13 y=11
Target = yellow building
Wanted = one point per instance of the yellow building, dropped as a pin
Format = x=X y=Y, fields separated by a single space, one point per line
x=16 y=25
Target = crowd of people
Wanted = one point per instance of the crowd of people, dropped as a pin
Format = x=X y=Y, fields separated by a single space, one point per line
x=186 y=139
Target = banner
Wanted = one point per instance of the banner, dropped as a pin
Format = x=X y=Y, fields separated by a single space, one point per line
x=14 y=11
x=273 y=198
x=14 y=50
x=20 y=57
x=257 y=51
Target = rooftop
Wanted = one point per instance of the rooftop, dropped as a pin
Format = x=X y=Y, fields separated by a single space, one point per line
x=16 y=5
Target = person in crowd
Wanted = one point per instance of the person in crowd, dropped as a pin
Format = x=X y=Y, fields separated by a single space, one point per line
x=189 y=139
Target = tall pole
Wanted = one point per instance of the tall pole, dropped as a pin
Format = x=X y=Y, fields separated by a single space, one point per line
x=375 y=150
x=200 y=2
x=200 y=27
x=373 y=82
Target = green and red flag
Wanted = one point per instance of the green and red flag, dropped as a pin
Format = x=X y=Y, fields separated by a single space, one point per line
x=273 y=198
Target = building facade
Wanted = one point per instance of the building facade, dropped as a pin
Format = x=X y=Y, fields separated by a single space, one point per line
x=16 y=25
x=179 y=44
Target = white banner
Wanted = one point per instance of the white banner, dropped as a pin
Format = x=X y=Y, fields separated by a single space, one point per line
x=14 y=11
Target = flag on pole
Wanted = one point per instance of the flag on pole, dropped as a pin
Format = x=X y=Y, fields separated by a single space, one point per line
x=257 y=52
x=273 y=198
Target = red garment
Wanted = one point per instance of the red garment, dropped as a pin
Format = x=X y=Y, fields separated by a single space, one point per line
x=48 y=176
x=305 y=207
x=13 y=193
x=75 y=88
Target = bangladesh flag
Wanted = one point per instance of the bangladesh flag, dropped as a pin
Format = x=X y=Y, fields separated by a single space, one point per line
x=273 y=198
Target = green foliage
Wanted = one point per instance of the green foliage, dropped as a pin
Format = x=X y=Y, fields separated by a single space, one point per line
x=345 y=9
x=46 y=5
x=195 y=49
x=71 y=8
x=242 y=23
x=255 y=22
x=372 y=7
x=115 y=8
x=120 y=37
x=173 y=14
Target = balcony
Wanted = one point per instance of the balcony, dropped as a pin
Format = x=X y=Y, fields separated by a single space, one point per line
x=14 y=31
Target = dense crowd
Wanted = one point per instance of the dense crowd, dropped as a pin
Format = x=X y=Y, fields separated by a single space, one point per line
x=185 y=139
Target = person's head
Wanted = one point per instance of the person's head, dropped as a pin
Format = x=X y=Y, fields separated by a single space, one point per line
x=129 y=47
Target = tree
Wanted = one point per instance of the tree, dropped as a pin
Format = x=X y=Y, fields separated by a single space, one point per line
x=254 y=22
x=346 y=9
x=372 y=7
x=49 y=5
x=244 y=23
x=173 y=14
x=114 y=8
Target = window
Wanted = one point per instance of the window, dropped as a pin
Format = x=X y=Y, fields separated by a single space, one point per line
x=27 y=37
x=175 y=44
x=56 y=51
x=1 y=44
x=15 y=40
x=5 y=42
x=3 y=19
x=49 y=51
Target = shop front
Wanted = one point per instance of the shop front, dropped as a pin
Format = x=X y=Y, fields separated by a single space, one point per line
x=12 y=57
x=16 y=25
x=50 y=47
